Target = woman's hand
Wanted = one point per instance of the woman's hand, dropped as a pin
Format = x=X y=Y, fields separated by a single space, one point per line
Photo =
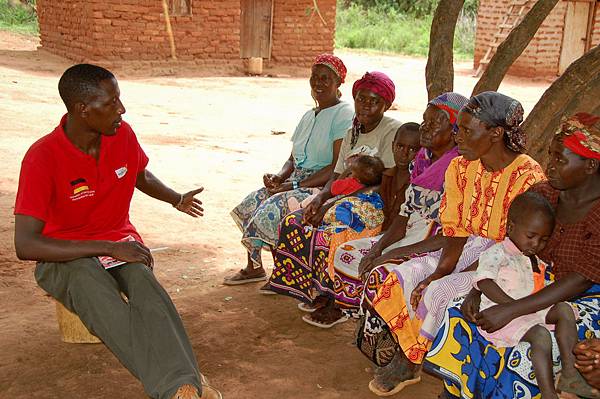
x=272 y=181
x=494 y=318
x=287 y=186
x=587 y=355
x=313 y=211
x=316 y=219
x=470 y=306
x=417 y=294
x=367 y=263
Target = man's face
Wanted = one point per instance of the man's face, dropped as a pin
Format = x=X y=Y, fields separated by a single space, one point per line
x=103 y=111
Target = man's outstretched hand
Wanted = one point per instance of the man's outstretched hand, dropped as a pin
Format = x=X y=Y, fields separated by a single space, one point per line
x=190 y=205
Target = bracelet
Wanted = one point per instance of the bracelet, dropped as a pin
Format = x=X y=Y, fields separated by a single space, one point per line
x=295 y=185
x=179 y=202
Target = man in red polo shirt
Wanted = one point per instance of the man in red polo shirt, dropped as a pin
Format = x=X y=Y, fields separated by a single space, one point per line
x=72 y=217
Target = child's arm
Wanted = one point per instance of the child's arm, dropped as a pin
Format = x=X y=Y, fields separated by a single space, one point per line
x=494 y=293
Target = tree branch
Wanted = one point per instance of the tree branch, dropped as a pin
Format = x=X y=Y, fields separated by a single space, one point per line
x=439 y=72
x=565 y=95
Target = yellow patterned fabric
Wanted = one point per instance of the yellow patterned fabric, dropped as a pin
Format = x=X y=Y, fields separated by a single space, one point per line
x=476 y=201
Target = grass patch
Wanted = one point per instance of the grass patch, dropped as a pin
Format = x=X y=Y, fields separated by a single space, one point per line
x=18 y=19
x=386 y=29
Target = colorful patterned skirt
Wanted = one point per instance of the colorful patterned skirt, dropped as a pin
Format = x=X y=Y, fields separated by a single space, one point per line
x=390 y=308
x=302 y=252
x=259 y=214
x=473 y=368
x=345 y=260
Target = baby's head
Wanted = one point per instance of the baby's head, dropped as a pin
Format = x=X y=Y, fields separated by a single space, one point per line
x=367 y=169
x=530 y=222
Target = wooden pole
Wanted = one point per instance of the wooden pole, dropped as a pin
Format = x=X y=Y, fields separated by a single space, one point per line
x=169 y=30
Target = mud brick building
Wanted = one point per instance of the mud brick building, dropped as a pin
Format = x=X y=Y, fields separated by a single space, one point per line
x=571 y=29
x=217 y=34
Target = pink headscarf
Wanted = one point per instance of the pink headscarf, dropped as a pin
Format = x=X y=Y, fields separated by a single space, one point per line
x=377 y=82
x=333 y=63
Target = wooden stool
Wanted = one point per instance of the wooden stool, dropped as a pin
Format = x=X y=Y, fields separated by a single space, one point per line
x=71 y=328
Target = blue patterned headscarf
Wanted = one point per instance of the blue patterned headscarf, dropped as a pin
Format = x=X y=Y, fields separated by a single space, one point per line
x=450 y=104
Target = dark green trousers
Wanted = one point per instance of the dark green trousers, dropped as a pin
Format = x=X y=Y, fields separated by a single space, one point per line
x=145 y=332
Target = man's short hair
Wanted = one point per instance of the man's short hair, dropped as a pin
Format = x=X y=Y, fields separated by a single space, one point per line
x=81 y=82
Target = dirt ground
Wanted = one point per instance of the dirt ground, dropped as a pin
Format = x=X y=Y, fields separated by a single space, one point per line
x=214 y=132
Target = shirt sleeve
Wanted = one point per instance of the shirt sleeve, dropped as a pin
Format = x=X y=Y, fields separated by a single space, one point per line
x=140 y=153
x=490 y=262
x=36 y=190
x=451 y=207
x=299 y=127
x=342 y=122
x=345 y=148
x=587 y=263
x=385 y=147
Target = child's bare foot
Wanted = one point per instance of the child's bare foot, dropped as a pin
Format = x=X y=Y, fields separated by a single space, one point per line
x=575 y=383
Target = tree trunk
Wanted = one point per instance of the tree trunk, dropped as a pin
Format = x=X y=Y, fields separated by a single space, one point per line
x=439 y=72
x=512 y=47
x=579 y=82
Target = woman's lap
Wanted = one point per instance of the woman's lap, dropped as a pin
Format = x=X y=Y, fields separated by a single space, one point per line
x=473 y=367
x=300 y=259
x=391 y=303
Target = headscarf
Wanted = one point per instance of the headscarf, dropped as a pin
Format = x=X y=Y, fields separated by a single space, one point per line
x=496 y=109
x=450 y=104
x=581 y=134
x=333 y=63
x=377 y=82
x=431 y=175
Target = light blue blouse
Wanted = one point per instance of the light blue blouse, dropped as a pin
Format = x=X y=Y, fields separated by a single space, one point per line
x=314 y=136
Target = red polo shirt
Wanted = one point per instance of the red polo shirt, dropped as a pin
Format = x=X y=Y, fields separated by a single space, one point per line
x=78 y=197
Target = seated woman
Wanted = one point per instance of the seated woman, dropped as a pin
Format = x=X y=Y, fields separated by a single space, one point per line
x=412 y=222
x=479 y=369
x=341 y=223
x=301 y=251
x=478 y=188
x=315 y=146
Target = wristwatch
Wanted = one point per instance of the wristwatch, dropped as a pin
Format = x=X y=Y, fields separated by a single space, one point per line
x=295 y=185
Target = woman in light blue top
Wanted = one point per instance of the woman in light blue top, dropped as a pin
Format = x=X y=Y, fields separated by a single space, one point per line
x=315 y=147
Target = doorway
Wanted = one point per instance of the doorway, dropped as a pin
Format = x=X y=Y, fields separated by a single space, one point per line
x=576 y=32
x=256 y=28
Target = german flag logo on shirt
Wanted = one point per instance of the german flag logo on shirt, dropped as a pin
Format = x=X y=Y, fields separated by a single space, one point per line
x=79 y=185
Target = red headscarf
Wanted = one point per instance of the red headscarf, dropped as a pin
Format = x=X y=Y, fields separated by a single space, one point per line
x=377 y=82
x=334 y=63
x=582 y=135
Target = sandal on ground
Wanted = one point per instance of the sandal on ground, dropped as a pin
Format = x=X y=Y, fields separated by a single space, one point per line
x=266 y=289
x=578 y=386
x=396 y=389
x=319 y=324
x=208 y=391
x=305 y=307
x=242 y=277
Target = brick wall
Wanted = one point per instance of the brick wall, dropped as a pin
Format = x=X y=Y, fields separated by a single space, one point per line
x=540 y=58
x=118 y=32
x=298 y=32
x=63 y=28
